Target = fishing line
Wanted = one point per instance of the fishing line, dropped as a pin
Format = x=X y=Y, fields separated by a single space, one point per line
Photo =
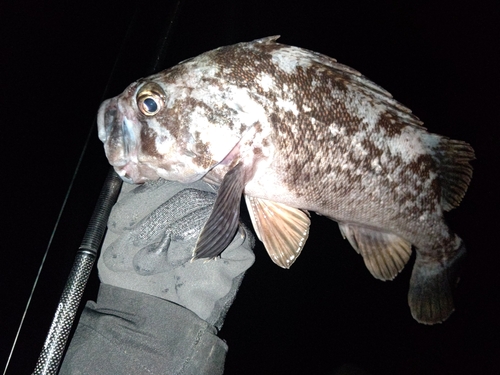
x=159 y=56
x=43 y=261
x=63 y=206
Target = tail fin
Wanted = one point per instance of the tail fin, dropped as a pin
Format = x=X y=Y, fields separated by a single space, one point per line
x=431 y=287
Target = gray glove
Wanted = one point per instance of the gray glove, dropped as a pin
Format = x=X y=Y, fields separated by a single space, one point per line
x=152 y=232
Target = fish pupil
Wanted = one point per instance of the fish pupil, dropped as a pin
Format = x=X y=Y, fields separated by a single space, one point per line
x=150 y=105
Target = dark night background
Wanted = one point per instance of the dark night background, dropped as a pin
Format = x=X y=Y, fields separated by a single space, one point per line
x=441 y=59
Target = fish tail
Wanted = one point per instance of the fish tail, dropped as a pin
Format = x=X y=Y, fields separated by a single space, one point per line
x=432 y=284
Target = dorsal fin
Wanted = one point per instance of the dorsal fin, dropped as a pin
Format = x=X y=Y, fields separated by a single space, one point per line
x=267 y=39
x=455 y=172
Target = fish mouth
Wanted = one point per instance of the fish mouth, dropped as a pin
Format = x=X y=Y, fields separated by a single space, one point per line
x=118 y=134
x=135 y=172
x=128 y=167
x=126 y=161
x=115 y=130
x=130 y=172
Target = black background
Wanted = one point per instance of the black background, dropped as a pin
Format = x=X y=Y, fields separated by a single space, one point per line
x=440 y=59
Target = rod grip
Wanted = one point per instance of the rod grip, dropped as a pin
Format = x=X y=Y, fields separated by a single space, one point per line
x=53 y=348
x=97 y=225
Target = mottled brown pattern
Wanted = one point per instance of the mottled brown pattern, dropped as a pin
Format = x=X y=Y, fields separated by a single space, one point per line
x=327 y=155
x=326 y=138
x=311 y=161
x=390 y=124
x=202 y=157
x=422 y=166
x=148 y=141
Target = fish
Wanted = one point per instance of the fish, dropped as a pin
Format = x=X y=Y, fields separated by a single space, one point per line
x=294 y=132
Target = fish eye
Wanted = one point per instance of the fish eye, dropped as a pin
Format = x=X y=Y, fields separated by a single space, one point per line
x=150 y=99
x=148 y=106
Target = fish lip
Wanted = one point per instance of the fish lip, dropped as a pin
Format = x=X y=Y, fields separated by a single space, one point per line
x=135 y=172
x=123 y=175
x=116 y=131
x=106 y=116
x=129 y=172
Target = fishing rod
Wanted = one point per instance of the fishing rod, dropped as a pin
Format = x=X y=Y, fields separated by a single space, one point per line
x=54 y=346
x=55 y=343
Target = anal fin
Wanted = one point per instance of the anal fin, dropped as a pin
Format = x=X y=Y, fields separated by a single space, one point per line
x=385 y=254
x=282 y=229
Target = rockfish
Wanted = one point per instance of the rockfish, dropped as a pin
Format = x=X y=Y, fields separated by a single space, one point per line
x=295 y=131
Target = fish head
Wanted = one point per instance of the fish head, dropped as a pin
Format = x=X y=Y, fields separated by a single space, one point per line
x=146 y=137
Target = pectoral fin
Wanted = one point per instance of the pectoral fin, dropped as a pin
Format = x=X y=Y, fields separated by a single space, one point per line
x=385 y=254
x=221 y=226
x=282 y=229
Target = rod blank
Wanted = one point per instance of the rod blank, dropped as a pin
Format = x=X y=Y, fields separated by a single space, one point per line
x=53 y=348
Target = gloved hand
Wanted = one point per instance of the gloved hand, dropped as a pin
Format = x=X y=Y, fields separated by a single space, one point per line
x=152 y=232
x=145 y=265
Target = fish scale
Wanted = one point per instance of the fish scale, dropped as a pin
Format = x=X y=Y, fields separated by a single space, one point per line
x=295 y=131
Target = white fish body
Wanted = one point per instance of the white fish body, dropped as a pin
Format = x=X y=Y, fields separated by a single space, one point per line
x=295 y=131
